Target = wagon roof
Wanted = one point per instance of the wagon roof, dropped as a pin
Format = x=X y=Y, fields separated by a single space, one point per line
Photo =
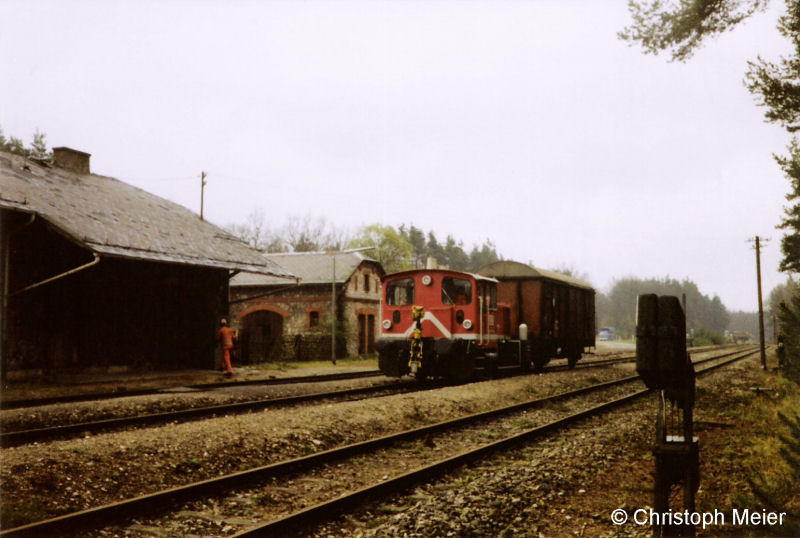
x=511 y=270
x=309 y=268
x=113 y=218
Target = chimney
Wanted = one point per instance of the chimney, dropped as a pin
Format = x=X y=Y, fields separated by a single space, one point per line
x=71 y=159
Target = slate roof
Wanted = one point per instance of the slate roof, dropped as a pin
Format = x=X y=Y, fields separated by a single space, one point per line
x=112 y=218
x=515 y=270
x=309 y=267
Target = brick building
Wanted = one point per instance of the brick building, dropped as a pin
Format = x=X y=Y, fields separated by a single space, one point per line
x=278 y=321
x=99 y=275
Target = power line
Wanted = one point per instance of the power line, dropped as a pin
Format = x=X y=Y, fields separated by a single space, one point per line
x=155 y=180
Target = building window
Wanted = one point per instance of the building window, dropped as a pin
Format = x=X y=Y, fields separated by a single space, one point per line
x=313 y=318
x=366 y=283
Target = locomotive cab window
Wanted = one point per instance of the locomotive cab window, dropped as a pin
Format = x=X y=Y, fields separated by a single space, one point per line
x=456 y=291
x=400 y=292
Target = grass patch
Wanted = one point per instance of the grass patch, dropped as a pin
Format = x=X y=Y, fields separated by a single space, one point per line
x=350 y=362
x=522 y=423
x=767 y=451
x=390 y=509
x=415 y=413
x=27 y=511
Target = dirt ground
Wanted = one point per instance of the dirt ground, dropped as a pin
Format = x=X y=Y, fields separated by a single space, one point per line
x=571 y=484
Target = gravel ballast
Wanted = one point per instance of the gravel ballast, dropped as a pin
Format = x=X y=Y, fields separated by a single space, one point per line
x=47 y=479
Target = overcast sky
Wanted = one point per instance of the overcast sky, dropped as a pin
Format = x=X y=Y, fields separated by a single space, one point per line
x=528 y=123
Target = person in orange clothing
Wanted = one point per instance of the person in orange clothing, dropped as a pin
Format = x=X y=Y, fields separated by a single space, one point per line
x=225 y=337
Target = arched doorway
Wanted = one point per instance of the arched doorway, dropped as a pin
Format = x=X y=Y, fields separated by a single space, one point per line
x=260 y=337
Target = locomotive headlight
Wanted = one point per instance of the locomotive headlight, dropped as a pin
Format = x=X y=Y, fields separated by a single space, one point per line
x=427 y=280
x=387 y=324
x=467 y=324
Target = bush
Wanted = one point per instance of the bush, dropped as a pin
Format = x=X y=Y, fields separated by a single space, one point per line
x=789 y=332
x=707 y=337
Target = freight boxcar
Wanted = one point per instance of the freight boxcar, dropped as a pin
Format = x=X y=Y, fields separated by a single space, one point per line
x=558 y=310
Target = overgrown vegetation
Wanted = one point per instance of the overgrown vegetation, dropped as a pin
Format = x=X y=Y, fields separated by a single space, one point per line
x=31 y=509
x=707 y=337
x=361 y=362
x=789 y=324
x=773 y=459
x=776 y=489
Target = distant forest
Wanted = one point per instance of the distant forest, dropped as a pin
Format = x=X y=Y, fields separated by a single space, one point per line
x=408 y=247
x=706 y=317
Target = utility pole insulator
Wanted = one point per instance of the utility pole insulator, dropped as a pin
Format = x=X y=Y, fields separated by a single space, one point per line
x=202 y=189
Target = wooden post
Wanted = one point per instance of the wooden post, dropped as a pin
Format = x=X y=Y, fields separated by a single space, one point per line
x=333 y=312
x=760 y=305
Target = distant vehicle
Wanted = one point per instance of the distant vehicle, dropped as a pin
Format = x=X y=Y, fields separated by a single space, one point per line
x=605 y=334
x=740 y=337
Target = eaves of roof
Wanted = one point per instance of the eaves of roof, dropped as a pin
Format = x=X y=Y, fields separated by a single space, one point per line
x=111 y=218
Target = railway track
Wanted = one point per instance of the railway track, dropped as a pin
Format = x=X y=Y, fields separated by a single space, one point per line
x=313 y=515
x=11 y=437
x=16 y=437
x=124 y=393
x=159 y=501
x=21 y=437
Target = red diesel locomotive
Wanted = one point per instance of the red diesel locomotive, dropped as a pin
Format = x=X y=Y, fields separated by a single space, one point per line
x=442 y=323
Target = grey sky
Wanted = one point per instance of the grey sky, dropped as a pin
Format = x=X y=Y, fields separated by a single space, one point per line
x=528 y=123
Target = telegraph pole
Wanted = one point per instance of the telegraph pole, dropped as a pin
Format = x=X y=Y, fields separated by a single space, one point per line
x=758 y=241
x=202 y=189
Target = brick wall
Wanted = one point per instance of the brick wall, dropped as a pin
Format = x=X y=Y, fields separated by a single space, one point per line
x=305 y=316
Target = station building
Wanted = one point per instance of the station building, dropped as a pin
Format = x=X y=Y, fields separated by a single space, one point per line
x=98 y=275
x=276 y=320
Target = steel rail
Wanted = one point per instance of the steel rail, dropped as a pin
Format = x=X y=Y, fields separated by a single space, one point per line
x=627 y=358
x=9 y=438
x=30 y=435
x=325 y=510
x=74 y=398
x=97 y=516
x=21 y=437
x=33 y=402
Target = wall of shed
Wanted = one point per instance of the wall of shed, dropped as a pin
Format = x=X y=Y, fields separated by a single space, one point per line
x=300 y=341
x=293 y=304
x=117 y=315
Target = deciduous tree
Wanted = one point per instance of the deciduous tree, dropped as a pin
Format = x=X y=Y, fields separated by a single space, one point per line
x=392 y=249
